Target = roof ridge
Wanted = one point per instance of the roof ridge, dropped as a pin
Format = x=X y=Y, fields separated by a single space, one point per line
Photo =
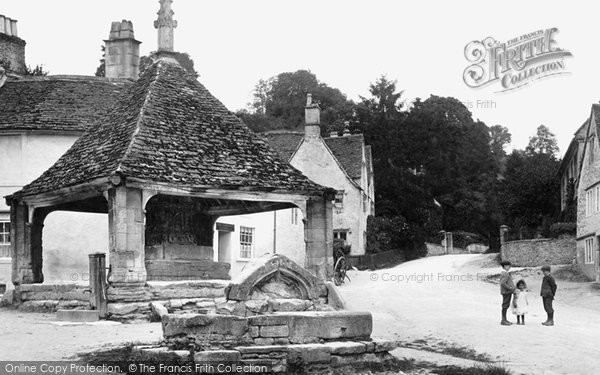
x=139 y=119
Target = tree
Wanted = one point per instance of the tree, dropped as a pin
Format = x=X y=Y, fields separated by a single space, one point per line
x=530 y=191
x=280 y=101
x=101 y=69
x=543 y=142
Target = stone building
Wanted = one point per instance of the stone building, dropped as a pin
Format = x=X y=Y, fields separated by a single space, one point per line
x=342 y=162
x=160 y=162
x=569 y=166
x=588 y=202
x=40 y=119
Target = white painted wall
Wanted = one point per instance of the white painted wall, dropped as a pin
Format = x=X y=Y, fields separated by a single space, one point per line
x=316 y=161
x=263 y=241
x=67 y=237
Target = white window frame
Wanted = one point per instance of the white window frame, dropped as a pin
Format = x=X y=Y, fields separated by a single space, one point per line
x=589 y=202
x=588 y=254
x=597 y=198
x=339 y=199
x=247 y=242
x=4 y=232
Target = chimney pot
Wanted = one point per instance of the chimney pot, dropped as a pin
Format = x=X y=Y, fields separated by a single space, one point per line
x=7 y=26
x=346 y=128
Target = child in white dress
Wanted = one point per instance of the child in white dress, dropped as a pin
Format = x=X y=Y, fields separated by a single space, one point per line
x=520 y=302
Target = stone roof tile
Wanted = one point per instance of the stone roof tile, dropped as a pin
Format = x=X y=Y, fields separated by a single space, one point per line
x=169 y=129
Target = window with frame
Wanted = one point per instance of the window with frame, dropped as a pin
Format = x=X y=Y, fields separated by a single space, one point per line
x=4 y=232
x=4 y=238
x=294 y=216
x=246 y=242
x=597 y=198
x=589 y=250
x=339 y=199
x=341 y=234
x=589 y=202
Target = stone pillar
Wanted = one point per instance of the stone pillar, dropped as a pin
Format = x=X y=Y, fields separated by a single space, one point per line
x=126 y=237
x=449 y=243
x=165 y=26
x=503 y=234
x=318 y=235
x=122 y=52
x=26 y=244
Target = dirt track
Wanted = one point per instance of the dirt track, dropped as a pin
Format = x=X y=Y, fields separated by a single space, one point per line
x=444 y=299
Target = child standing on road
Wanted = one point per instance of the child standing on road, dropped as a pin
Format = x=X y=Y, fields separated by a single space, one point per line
x=548 y=292
x=507 y=288
x=520 y=302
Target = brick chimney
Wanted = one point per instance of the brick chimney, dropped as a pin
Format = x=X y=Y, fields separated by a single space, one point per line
x=312 y=118
x=12 y=48
x=122 y=52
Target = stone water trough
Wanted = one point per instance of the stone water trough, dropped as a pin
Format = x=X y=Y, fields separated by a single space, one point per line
x=277 y=315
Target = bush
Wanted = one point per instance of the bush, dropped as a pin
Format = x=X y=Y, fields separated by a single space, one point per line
x=395 y=233
x=558 y=230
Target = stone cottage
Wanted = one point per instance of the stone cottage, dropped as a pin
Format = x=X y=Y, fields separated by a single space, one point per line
x=588 y=202
x=342 y=162
x=40 y=119
x=163 y=164
x=569 y=166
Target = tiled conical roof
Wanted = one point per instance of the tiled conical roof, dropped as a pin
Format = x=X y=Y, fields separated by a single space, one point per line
x=169 y=129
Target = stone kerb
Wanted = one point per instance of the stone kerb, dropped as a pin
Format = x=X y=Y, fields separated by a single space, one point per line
x=261 y=269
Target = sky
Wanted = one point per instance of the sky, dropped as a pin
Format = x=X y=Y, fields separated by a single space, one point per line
x=347 y=44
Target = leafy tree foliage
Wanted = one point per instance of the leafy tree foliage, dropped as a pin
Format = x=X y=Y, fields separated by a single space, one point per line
x=278 y=103
x=544 y=142
x=530 y=190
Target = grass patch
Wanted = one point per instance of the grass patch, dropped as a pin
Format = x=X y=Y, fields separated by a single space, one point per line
x=476 y=370
x=571 y=273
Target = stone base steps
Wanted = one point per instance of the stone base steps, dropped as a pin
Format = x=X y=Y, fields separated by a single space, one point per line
x=315 y=358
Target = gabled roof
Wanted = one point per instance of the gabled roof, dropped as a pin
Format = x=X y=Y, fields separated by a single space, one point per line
x=579 y=135
x=284 y=142
x=169 y=129
x=588 y=125
x=347 y=149
x=57 y=103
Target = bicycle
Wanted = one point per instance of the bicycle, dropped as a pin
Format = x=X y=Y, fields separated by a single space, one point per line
x=339 y=269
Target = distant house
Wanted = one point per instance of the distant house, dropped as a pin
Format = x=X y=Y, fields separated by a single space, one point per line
x=569 y=167
x=341 y=162
x=588 y=203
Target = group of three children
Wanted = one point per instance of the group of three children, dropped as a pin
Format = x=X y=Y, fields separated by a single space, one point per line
x=520 y=303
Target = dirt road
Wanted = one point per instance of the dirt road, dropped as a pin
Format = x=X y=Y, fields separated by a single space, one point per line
x=36 y=336
x=444 y=298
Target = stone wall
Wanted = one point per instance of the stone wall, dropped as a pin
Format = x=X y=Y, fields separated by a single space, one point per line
x=227 y=331
x=435 y=249
x=538 y=252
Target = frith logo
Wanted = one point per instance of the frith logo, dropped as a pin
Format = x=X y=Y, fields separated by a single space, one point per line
x=515 y=63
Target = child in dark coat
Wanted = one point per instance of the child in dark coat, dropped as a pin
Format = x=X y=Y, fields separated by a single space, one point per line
x=548 y=292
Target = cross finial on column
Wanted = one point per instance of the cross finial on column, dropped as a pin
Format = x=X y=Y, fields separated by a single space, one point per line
x=165 y=25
